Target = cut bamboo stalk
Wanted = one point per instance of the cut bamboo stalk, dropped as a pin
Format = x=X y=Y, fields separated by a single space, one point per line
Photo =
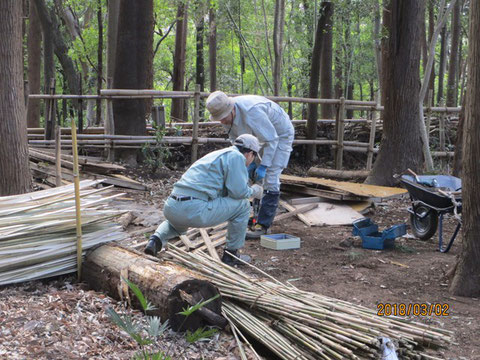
x=76 y=182
x=208 y=243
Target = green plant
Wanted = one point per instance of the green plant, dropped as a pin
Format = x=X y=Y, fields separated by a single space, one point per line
x=147 y=335
x=156 y=154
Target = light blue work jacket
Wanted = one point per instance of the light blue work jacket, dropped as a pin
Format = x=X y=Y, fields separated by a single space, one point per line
x=267 y=121
x=220 y=173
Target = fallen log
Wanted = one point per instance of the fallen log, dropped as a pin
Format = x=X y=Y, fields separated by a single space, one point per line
x=338 y=174
x=162 y=284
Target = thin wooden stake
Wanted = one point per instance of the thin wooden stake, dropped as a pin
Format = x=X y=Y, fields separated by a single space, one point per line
x=340 y=133
x=76 y=181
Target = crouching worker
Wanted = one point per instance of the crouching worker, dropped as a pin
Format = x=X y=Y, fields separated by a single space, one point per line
x=213 y=190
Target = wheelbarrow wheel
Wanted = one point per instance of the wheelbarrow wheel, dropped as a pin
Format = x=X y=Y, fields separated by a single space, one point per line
x=424 y=222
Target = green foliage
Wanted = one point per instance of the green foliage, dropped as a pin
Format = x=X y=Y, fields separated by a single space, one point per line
x=147 y=335
x=156 y=154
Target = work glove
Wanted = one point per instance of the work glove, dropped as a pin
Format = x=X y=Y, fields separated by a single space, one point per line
x=251 y=170
x=260 y=173
x=257 y=191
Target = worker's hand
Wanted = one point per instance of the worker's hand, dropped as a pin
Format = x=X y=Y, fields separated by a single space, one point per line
x=251 y=170
x=260 y=172
x=257 y=191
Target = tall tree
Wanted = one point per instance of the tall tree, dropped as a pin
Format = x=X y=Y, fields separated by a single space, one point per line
x=212 y=48
x=199 y=59
x=278 y=31
x=441 y=64
x=178 y=77
x=134 y=47
x=453 y=63
x=325 y=12
x=466 y=281
x=14 y=166
x=34 y=51
x=401 y=88
x=99 y=61
x=326 y=88
x=431 y=31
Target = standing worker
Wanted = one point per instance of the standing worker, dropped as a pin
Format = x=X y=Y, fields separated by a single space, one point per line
x=213 y=190
x=251 y=114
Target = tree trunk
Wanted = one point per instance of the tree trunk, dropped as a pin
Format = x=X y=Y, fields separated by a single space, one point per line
x=212 y=49
x=326 y=88
x=99 y=61
x=349 y=112
x=441 y=65
x=466 y=281
x=160 y=282
x=178 y=77
x=50 y=25
x=325 y=12
x=453 y=63
x=113 y=13
x=401 y=145
x=134 y=46
x=278 y=31
x=424 y=47
x=431 y=30
x=457 y=157
x=14 y=166
x=34 y=51
x=199 y=61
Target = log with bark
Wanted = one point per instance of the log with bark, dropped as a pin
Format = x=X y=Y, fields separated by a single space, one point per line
x=169 y=287
x=338 y=174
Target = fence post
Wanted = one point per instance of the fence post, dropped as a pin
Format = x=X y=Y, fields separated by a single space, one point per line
x=109 y=124
x=158 y=115
x=196 y=118
x=340 y=125
x=371 y=140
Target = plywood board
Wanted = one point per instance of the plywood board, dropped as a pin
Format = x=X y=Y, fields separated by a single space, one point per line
x=331 y=214
x=365 y=190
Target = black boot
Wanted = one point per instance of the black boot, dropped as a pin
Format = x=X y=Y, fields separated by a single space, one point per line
x=232 y=260
x=154 y=245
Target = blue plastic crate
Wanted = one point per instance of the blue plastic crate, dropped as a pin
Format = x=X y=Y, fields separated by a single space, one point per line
x=372 y=238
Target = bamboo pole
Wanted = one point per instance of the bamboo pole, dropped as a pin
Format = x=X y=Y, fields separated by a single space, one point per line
x=371 y=140
x=58 y=156
x=109 y=124
x=196 y=118
x=340 y=125
x=78 y=219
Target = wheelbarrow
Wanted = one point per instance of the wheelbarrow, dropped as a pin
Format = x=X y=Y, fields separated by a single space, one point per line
x=432 y=197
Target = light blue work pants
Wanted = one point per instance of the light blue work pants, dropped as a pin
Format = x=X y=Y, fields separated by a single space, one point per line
x=182 y=215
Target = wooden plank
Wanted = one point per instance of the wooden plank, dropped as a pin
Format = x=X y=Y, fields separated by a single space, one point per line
x=327 y=194
x=305 y=200
x=290 y=208
x=208 y=243
x=363 y=190
x=299 y=210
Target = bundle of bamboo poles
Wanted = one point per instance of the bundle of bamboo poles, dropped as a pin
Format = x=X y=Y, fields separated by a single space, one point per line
x=38 y=230
x=296 y=324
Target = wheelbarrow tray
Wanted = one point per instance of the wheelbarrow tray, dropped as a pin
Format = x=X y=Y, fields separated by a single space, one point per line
x=428 y=195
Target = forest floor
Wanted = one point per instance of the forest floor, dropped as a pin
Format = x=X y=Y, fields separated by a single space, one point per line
x=49 y=319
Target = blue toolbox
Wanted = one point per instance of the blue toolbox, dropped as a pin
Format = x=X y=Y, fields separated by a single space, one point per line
x=372 y=238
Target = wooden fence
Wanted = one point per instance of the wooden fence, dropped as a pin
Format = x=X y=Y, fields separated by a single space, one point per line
x=105 y=137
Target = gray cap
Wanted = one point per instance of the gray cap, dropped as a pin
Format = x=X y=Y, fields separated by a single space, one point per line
x=248 y=141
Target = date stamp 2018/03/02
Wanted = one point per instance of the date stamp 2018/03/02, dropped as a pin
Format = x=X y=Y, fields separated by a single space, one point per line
x=412 y=309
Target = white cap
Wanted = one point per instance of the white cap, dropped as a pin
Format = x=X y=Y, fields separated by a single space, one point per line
x=248 y=142
x=219 y=105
